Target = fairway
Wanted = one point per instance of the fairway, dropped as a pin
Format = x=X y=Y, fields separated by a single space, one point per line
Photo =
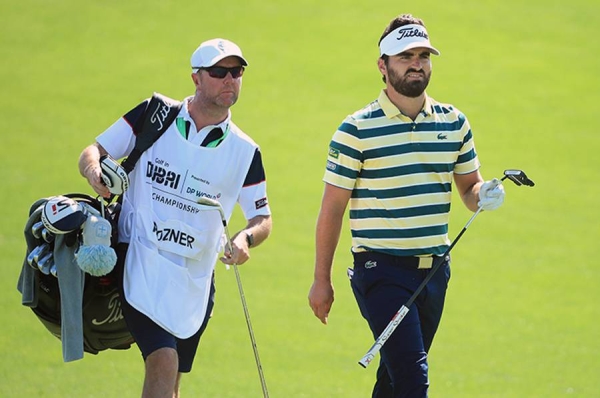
x=521 y=317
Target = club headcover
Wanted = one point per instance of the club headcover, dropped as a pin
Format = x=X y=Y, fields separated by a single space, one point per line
x=113 y=175
x=62 y=215
x=95 y=256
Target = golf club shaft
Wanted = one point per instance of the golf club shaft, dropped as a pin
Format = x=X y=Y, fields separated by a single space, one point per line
x=519 y=178
x=246 y=313
x=263 y=383
x=399 y=316
x=213 y=203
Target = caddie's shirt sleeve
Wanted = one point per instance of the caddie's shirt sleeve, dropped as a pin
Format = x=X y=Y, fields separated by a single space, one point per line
x=253 y=196
x=119 y=139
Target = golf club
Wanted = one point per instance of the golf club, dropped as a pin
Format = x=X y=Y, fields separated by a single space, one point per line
x=519 y=178
x=47 y=235
x=45 y=263
x=36 y=229
x=215 y=204
x=45 y=249
x=33 y=255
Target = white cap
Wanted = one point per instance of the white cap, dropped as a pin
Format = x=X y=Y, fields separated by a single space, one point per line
x=212 y=51
x=405 y=38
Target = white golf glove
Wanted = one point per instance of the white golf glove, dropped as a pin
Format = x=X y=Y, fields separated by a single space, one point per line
x=491 y=195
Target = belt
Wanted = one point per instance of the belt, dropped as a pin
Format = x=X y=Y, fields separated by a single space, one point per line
x=425 y=262
x=415 y=262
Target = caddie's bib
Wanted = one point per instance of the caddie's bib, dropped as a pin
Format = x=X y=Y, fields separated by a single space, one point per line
x=173 y=241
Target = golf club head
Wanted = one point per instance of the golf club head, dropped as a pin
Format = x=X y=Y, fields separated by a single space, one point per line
x=44 y=250
x=208 y=202
x=36 y=229
x=215 y=204
x=53 y=270
x=518 y=177
x=45 y=263
x=32 y=255
x=212 y=203
x=47 y=235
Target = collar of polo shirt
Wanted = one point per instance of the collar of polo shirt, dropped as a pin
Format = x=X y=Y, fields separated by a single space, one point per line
x=390 y=110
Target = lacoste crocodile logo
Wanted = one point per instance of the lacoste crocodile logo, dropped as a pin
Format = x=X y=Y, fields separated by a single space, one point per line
x=370 y=264
x=442 y=136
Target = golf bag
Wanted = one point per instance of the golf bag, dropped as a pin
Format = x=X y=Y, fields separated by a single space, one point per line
x=57 y=290
x=81 y=309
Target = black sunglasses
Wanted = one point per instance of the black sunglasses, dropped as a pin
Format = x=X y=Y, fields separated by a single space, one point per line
x=219 y=72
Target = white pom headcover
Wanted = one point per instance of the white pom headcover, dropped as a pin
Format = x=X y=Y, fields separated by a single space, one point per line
x=95 y=256
x=62 y=215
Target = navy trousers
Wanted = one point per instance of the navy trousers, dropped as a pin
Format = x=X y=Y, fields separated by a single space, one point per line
x=381 y=284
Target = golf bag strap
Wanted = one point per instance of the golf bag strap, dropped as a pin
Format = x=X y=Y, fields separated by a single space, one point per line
x=159 y=115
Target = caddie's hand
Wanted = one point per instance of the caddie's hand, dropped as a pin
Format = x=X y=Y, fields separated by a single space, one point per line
x=113 y=175
x=491 y=195
x=93 y=174
x=241 y=252
x=320 y=299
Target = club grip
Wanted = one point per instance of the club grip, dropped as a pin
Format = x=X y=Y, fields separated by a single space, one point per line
x=384 y=336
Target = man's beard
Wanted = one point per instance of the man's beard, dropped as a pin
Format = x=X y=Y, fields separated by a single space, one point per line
x=413 y=88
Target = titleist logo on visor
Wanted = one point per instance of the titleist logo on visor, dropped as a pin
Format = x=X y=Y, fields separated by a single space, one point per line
x=411 y=32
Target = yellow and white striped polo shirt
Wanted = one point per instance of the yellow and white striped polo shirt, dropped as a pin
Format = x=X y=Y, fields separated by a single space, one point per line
x=400 y=173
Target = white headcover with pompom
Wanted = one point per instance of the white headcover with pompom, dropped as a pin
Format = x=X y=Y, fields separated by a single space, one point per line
x=95 y=256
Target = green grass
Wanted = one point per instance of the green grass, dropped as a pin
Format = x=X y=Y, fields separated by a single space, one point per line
x=521 y=314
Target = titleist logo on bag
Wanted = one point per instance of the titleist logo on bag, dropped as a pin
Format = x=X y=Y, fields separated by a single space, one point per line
x=113 y=312
x=160 y=114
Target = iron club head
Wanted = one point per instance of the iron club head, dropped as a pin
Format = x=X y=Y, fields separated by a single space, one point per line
x=208 y=202
x=36 y=229
x=44 y=250
x=45 y=263
x=216 y=205
x=212 y=203
x=47 y=236
x=518 y=177
x=33 y=255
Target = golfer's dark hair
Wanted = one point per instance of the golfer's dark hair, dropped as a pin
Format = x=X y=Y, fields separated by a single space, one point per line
x=400 y=20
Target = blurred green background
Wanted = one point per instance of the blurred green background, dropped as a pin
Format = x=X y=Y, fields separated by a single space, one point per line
x=522 y=310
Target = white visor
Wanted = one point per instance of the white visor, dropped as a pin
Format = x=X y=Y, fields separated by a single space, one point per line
x=405 y=38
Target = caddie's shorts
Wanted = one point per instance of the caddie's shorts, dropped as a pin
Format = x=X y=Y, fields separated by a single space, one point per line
x=382 y=284
x=150 y=337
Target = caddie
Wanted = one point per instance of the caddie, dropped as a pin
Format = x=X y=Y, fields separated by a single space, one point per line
x=172 y=242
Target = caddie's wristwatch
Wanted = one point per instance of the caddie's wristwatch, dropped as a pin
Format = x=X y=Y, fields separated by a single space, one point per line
x=249 y=239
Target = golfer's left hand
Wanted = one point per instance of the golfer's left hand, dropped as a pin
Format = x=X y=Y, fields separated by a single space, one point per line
x=491 y=195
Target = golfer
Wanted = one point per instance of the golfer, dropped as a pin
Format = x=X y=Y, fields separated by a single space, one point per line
x=395 y=161
x=171 y=242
